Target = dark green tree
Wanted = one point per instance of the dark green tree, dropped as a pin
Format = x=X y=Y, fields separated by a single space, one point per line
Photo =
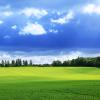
x=7 y=63
x=30 y=63
x=66 y=63
x=25 y=63
x=57 y=63
x=2 y=63
x=18 y=62
x=13 y=63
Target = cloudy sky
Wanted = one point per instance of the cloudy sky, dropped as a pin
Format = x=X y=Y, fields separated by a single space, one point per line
x=47 y=30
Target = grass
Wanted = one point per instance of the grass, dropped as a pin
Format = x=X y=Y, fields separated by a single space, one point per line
x=28 y=83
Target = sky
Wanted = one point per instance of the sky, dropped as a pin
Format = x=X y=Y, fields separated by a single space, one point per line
x=47 y=30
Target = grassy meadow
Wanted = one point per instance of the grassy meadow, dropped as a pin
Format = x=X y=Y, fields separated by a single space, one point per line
x=49 y=83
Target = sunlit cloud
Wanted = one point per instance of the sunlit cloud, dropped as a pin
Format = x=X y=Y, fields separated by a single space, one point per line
x=38 y=13
x=1 y=22
x=65 y=19
x=14 y=27
x=32 y=29
x=91 y=8
x=53 y=31
x=5 y=11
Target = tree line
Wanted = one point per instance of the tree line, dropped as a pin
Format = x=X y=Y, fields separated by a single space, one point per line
x=80 y=61
x=15 y=63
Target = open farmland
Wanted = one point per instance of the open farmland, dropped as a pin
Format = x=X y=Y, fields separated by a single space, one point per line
x=49 y=83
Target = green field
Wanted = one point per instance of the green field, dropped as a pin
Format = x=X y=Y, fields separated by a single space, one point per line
x=49 y=83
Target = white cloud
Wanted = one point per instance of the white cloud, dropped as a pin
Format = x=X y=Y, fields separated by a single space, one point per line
x=33 y=29
x=91 y=8
x=38 y=13
x=7 y=13
x=42 y=59
x=53 y=31
x=14 y=27
x=57 y=12
x=66 y=19
x=38 y=59
x=1 y=22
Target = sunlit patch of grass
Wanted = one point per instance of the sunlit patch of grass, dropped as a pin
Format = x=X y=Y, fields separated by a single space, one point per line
x=52 y=73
